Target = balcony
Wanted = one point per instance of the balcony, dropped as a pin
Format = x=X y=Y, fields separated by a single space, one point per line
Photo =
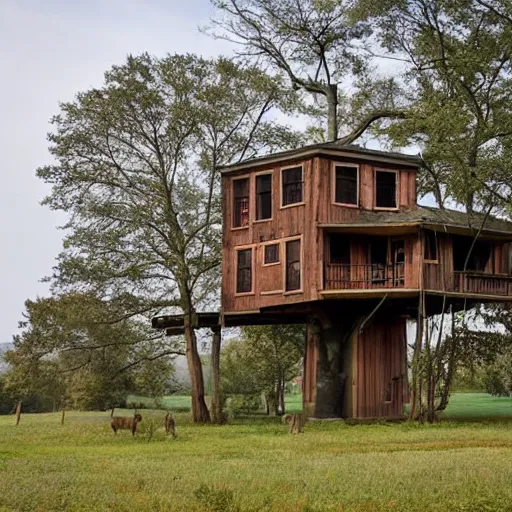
x=482 y=283
x=338 y=276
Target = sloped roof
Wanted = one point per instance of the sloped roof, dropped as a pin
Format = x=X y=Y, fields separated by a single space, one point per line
x=435 y=218
x=334 y=148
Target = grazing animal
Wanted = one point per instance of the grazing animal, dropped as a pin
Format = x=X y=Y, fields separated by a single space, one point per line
x=170 y=424
x=287 y=418
x=126 y=423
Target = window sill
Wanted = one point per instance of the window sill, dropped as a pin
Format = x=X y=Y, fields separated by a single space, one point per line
x=261 y=220
x=346 y=205
x=272 y=292
x=387 y=208
x=436 y=262
x=239 y=228
x=292 y=205
x=273 y=264
x=293 y=292
x=244 y=294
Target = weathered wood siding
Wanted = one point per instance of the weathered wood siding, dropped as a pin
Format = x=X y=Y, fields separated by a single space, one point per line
x=375 y=367
x=379 y=370
x=293 y=221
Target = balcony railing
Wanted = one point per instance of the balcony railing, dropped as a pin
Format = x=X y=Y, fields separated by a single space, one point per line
x=480 y=282
x=339 y=276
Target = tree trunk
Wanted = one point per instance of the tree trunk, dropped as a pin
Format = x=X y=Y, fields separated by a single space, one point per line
x=281 y=395
x=216 y=410
x=18 y=413
x=332 y=111
x=63 y=416
x=278 y=394
x=415 y=391
x=330 y=374
x=450 y=369
x=200 y=412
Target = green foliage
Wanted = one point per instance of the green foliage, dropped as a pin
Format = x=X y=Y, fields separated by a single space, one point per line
x=262 y=361
x=456 y=91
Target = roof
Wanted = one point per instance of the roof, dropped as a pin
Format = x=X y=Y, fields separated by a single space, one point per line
x=335 y=148
x=444 y=220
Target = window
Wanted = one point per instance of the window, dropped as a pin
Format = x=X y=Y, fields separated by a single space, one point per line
x=263 y=196
x=339 y=249
x=385 y=189
x=244 y=271
x=271 y=254
x=430 y=248
x=241 y=203
x=291 y=180
x=346 y=184
x=293 y=277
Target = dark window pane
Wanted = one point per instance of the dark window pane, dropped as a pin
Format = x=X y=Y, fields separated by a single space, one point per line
x=271 y=254
x=339 y=249
x=346 y=184
x=430 y=252
x=293 y=265
x=241 y=202
x=264 y=196
x=244 y=271
x=292 y=185
x=385 y=194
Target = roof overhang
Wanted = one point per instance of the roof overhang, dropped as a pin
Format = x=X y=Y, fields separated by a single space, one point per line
x=404 y=228
x=309 y=152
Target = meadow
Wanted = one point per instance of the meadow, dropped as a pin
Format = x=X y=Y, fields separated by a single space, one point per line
x=462 y=463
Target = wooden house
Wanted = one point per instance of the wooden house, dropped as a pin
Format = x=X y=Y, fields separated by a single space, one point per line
x=332 y=236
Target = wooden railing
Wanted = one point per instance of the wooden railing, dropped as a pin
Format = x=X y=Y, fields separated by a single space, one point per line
x=480 y=282
x=340 y=276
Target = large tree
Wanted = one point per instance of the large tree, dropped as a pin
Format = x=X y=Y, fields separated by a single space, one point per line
x=316 y=44
x=457 y=86
x=136 y=171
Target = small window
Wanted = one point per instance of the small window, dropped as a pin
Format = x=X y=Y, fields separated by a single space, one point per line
x=244 y=271
x=241 y=203
x=385 y=189
x=271 y=254
x=293 y=277
x=430 y=248
x=263 y=196
x=292 y=185
x=346 y=184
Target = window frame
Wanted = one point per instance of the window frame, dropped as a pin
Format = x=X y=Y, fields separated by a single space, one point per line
x=434 y=233
x=337 y=163
x=238 y=178
x=281 y=188
x=263 y=173
x=250 y=247
x=396 y=172
x=301 y=266
x=264 y=247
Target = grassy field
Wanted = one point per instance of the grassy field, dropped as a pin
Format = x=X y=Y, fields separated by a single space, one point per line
x=255 y=465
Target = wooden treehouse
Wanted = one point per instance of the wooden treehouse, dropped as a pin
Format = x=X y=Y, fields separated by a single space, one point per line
x=332 y=236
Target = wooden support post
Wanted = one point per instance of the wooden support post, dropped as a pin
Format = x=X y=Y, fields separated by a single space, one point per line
x=63 y=416
x=18 y=413
x=216 y=405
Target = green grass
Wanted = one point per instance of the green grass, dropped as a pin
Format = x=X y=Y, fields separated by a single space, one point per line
x=255 y=465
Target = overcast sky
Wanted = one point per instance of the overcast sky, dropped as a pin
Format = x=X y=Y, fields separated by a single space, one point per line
x=50 y=50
